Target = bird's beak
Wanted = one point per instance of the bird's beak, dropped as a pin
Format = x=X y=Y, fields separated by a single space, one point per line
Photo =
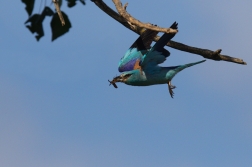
x=119 y=78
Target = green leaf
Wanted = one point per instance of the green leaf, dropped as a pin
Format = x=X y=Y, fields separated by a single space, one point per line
x=36 y=22
x=72 y=3
x=83 y=2
x=57 y=29
x=29 y=6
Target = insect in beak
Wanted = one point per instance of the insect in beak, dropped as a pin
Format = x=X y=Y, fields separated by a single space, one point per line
x=115 y=79
x=120 y=78
x=112 y=83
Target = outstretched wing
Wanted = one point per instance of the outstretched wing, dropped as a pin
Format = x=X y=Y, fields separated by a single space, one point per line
x=132 y=57
x=157 y=53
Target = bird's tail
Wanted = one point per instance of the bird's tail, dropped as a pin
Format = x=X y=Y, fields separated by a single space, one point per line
x=174 y=70
x=189 y=65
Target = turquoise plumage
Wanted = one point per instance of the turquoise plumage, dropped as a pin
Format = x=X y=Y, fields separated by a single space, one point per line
x=139 y=66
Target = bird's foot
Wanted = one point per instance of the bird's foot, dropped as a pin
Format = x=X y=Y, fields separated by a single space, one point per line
x=170 y=86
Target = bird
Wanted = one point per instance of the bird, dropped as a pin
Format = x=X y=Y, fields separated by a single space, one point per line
x=140 y=64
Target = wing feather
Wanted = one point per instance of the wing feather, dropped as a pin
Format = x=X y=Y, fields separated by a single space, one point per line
x=132 y=57
x=157 y=54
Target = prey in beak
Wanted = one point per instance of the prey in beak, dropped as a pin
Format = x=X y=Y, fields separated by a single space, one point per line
x=114 y=81
x=120 y=78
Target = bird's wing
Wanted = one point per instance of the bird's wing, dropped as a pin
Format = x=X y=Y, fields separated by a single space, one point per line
x=144 y=41
x=130 y=61
x=132 y=57
x=157 y=54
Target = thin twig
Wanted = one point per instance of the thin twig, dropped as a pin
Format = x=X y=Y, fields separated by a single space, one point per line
x=57 y=7
x=208 y=54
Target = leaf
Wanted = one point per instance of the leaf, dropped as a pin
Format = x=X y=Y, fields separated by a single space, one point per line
x=57 y=29
x=29 y=6
x=83 y=2
x=36 y=22
x=72 y=3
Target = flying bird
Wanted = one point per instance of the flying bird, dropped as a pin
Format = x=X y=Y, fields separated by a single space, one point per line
x=140 y=64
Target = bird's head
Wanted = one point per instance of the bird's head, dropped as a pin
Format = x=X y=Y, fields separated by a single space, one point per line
x=121 y=78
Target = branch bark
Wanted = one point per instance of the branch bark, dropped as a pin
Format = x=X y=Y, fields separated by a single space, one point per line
x=57 y=7
x=208 y=54
x=134 y=22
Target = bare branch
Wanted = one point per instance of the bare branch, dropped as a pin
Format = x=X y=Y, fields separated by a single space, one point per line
x=208 y=54
x=122 y=11
x=57 y=7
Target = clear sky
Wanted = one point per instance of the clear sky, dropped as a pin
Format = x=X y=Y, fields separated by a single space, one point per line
x=57 y=109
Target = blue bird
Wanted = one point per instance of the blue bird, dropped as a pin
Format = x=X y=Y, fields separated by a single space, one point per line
x=139 y=66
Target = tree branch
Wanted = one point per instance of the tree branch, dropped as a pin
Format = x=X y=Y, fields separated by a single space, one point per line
x=208 y=54
x=134 y=22
x=57 y=7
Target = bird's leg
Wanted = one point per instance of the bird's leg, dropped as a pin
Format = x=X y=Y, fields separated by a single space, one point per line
x=170 y=86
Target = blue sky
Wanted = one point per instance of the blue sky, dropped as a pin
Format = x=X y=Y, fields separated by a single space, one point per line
x=57 y=110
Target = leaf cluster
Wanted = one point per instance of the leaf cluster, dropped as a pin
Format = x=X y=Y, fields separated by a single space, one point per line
x=35 y=20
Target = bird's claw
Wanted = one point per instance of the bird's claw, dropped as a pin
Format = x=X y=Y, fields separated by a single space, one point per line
x=170 y=86
x=171 y=92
